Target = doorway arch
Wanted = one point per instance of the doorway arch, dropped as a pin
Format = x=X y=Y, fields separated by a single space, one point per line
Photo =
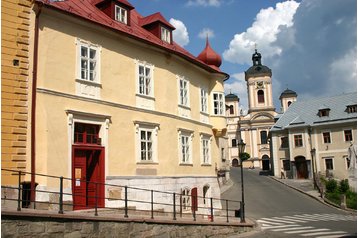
x=265 y=162
x=301 y=167
x=235 y=163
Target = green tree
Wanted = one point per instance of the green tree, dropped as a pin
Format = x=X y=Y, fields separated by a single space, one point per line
x=244 y=156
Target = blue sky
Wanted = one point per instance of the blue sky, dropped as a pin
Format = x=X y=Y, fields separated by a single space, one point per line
x=310 y=45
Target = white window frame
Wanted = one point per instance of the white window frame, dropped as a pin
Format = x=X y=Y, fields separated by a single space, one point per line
x=146 y=128
x=203 y=100
x=184 y=93
x=96 y=60
x=120 y=14
x=205 y=149
x=325 y=163
x=344 y=135
x=330 y=137
x=165 y=35
x=143 y=87
x=185 y=147
x=186 y=198
x=218 y=104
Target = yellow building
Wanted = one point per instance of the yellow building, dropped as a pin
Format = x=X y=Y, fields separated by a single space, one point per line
x=119 y=102
x=15 y=96
x=314 y=137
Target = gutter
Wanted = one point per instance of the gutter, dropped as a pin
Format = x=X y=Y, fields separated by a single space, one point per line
x=33 y=102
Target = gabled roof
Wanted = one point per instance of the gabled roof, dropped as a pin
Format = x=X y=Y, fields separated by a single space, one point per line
x=154 y=18
x=305 y=113
x=87 y=10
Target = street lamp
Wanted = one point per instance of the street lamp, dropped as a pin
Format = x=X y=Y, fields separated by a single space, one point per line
x=241 y=148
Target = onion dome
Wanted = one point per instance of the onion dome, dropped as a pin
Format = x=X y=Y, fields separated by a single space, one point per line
x=209 y=56
x=231 y=97
x=288 y=93
x=257 y=69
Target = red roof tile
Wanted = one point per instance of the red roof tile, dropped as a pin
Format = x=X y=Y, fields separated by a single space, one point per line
x=87 y=10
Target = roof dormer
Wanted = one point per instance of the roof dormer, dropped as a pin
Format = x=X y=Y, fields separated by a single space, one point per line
x=118 y=10
x=351 y=108
x=158 y=26
x=323 y=111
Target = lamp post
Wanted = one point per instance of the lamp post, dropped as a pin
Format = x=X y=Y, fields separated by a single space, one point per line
x=241 y=149
x=313 y=153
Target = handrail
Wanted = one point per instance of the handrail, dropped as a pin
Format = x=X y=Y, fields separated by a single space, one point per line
x=96 y=197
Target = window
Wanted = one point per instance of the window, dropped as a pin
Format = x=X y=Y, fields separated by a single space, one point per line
x=289 y=103
x=348 y=161
x=120 y=14
x=223 y=158
x=231 y=109
x=205 y=194
x=324 y=112
x=298 y=140
x=233 y=143
x=186 y=198
x=284 y=142
x=165 y=35
x=326 y=137
x=263 y=135
x=185 y=147
x=352 y=109
x=86 y=134
x=348 y=135
x=329 y=163
x=183 y=92
x=145 y=80
x=146 y=142
x=203 y=100
x=146 y=145
x=89 y=58
x=218 y=103
x=205 y=145
x=260 y=96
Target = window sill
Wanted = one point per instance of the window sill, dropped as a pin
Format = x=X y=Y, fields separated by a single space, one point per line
x=204 y=113
x=88 y=82
x=186 y=164
x=206 y=165
x=149 y=97
x=147 y=163
x=184 y=107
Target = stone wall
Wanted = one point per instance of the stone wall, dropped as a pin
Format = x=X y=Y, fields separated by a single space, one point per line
x=14 y=226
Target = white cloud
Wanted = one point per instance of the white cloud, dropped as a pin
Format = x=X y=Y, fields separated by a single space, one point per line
x=205 y=3
x=206 y=32
x=180 y=34
x=263 y=32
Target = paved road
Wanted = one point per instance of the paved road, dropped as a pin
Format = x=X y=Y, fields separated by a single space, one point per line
x=281 y=211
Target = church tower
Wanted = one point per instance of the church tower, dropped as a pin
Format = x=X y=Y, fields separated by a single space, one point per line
x=259 y=85
x=287 y=97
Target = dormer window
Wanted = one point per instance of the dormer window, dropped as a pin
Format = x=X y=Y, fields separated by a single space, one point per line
x=324 y=112
x=165 y=35
x=120 y=14
x=351 y=109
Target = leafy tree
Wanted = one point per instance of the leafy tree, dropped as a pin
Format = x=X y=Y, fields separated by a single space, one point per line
x=244 y=156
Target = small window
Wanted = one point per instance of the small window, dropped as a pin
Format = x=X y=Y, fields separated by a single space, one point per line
x=284 y=142
x=203 y=100
x=298 y=140
x=289 y=103
x=286 y=164
x=205 y=146
x=352 y=109
x=185 y=147
x=233 y=143
x=326 y=137
x=86 y=134
x=223 y=158
x=89 y=60
x=184 y=92
x=324 y=112
x=145 y=79
x=218 y=103
x=261 y=96
x=186 y=199
x=329 y=163
x=120 y=14
x=348 y=135
x=348 y=161
x=263 y=135
x=165 y=35
x=231 y=108
x=146 y=145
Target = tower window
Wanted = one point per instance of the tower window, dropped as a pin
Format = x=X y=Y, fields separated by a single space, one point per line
x=260 y=96
x=289 y=103
x=231 y=108
x=263 y=135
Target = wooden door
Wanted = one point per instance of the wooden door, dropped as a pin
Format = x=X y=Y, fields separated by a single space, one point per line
x=302 y=169
x=194 y=199
x=79 y=185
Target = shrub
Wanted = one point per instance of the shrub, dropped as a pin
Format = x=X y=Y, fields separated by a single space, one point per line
x=344 y=186
x=351 y=200
x=334 y=197
x=331 y=186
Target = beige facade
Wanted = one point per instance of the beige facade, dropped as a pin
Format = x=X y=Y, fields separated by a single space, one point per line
x=15 y=78
x=114 y=103
x=306 y=141
x=253 y=128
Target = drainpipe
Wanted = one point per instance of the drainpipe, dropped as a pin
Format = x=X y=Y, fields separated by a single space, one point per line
x=33 y=102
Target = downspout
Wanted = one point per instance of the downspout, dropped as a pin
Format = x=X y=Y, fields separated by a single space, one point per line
x=33 y=102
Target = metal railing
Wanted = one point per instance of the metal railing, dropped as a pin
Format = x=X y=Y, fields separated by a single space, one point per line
x=161 y=203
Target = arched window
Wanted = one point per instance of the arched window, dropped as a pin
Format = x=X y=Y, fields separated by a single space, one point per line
x=260 y=96
x=186 y=198
x=289 y=103
x=263 y=135
x=206 y=193
x=231 y=109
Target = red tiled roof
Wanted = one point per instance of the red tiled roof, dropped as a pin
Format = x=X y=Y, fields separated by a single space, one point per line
x=87 y=10
x=154 y=18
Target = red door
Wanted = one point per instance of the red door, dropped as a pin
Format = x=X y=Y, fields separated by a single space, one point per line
x=88 y=177
x=194 y=199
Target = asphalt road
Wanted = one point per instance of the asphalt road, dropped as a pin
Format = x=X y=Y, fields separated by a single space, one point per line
x=281 y=211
